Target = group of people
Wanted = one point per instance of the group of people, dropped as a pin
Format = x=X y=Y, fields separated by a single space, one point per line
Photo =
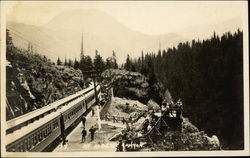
x=171 y=109
x=129 y=141
x=149 y=122
x=92 y=130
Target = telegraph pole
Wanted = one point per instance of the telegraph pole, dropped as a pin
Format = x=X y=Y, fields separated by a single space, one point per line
x=94 y=74
x=96 y=95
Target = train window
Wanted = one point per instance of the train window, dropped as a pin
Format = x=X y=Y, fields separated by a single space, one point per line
x=13 y=149
x=19 y=147
x=40 y=136
x=45 y=132
x=55 y=125
x=36 y=138
x=29 y=143
x=25 y=145
x=33 y=140
x=49 y=130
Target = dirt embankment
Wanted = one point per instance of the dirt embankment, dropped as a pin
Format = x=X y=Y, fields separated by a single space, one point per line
x=33 y=81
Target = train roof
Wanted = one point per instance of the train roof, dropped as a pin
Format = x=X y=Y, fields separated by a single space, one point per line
x=12 y=137
x=30 y=115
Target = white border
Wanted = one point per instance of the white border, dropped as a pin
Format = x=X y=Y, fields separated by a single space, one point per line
x=244 y=152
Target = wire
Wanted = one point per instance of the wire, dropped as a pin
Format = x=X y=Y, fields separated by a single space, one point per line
x=16 y=33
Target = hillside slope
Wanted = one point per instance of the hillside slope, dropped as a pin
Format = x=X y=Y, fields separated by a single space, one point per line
x=127 y=84
x=32 y=81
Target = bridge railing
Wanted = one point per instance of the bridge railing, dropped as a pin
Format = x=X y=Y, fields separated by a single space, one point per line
x=115 y=119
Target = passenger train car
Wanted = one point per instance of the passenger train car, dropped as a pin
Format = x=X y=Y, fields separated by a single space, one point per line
x=41 y=133
x=24 y=120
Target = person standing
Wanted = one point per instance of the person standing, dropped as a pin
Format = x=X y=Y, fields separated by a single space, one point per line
x=83 y=120
x=93 y=111
x=92 y=132
x=119 y=146
x=123 y=121
x=84 y=134
x=145 y=126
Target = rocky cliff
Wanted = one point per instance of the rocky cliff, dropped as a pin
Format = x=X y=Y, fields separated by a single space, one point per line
x=131 y=85
x=33 y=81
x=189 y=138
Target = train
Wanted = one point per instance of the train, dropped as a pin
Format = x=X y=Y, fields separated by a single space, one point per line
x=39 y=134
x=24 y=120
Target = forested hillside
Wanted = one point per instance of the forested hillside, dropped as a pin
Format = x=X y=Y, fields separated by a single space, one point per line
x=33 y=81
x=208 y=76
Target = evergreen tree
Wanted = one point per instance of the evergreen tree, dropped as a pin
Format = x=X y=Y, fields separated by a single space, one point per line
x=76 y=64
x=86 y=65
x=8 y=38
x=59 y=62
x=108 y=63
x=70 y=63
x=208 y=76
x=99 y=64
x=65 y=62
x=128 y=64
x=115 y=65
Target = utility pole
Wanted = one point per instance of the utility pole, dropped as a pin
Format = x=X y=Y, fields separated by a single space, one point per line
x=82 y=51
x=96 y=95
x=159 y=45
x=94 y=74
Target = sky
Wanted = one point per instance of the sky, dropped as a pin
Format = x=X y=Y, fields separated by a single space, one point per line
x=149 y=17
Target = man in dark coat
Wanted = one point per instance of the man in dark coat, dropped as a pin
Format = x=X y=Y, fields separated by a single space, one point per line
x=84 y=134
x=93 y=111
x=145 y=126
x=92 y=132
x=83 y=120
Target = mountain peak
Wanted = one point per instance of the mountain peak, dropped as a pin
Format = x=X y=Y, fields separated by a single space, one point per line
x=81 y=19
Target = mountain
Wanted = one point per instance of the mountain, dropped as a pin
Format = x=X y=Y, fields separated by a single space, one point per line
x=62 y=36
x=206 y=31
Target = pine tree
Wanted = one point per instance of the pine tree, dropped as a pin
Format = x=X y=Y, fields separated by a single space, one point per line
x=8 y=38
x=76 y=64
x=59 y=62
x=108 y=63
x=128 y=64
x=99 y=64
x=70 y=63
x=208 y=76
x=115 y=65
x=65 y=62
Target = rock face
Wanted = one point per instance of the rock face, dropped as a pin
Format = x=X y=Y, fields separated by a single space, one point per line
x=126 y=108
x=32 y=81
x=132 y=85
x=188 y=139
x=152 y=105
